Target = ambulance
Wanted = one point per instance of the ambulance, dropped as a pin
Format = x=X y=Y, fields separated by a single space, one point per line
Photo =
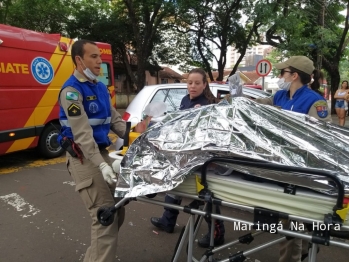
x=33 y=68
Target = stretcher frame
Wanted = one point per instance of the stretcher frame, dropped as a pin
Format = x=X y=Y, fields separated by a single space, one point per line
x=189 y=232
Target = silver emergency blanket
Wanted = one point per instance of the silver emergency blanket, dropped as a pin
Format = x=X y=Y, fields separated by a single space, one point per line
x=161 y=158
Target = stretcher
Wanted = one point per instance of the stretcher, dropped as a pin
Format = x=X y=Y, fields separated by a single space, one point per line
x=314 y=217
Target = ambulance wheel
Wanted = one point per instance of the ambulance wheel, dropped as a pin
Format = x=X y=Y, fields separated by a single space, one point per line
x=48 y=145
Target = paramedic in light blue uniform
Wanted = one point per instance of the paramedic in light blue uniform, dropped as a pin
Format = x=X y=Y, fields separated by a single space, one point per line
x=295 y=95
x=87 y=115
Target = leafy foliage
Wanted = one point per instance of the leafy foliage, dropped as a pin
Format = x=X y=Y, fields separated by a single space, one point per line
x=214 y=25
x=194 y=32
x=43 y=16
x=309 y=28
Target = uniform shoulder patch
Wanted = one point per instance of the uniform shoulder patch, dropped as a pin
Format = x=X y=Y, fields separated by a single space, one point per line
x=74 y=96
x=321 y=108
x=74 y=110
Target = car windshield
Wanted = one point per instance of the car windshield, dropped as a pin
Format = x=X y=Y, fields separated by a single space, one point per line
x=172 y=97
x=256 y=92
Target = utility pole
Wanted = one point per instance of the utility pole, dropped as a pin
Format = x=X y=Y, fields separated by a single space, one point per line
x=322 y=24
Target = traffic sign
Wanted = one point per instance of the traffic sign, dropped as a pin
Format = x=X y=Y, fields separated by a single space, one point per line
x=263 y=67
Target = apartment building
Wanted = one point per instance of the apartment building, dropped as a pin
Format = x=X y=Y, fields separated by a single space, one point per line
x=252 y=56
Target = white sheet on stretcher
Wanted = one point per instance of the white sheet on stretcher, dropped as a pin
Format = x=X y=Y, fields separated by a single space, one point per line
x=234 y=189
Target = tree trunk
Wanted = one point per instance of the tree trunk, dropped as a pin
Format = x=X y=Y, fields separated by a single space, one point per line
x=332 y=67
x=235 y=68
x=200 y=35
x=221 y=63
x=244 y=48
x=140 y=81
x=335 y=80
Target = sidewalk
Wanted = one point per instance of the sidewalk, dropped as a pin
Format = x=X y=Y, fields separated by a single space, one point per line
x=335 y=120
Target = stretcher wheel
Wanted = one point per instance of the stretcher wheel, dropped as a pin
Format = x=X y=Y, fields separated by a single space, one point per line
x=105 y=215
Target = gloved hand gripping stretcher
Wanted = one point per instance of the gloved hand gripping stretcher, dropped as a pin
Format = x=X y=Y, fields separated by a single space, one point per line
x=260 y=141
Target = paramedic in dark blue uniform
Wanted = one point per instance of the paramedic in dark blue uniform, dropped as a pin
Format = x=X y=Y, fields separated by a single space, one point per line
x=187 y=103
x=87 y=115
x=297 y=96
x=199 y=94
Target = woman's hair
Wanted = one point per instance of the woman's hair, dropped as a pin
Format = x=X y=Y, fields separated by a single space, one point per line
x=346 y=82
x=207 y=91
x=305 y=78
x=315 y=85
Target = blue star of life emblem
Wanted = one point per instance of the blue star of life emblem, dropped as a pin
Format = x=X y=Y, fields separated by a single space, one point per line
x=42 y=70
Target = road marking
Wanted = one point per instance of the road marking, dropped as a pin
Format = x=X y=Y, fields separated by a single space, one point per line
x=29 y=210
x=36 y=163
x=20 y=205
x=71 y=183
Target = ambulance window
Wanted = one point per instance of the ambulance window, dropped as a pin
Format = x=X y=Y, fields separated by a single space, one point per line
x=104 y=75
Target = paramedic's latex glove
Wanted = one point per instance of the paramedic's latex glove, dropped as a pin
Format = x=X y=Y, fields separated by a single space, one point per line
x=142 y=126
x=116 y=164
x=108 y=173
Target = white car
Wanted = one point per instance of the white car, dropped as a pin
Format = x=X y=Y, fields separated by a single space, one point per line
x=172 y=95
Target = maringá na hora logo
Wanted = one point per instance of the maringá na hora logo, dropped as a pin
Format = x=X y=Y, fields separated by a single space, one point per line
x=42 y=70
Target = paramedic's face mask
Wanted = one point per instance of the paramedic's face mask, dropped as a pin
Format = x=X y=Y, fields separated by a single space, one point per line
x=91 y=63
x=88 y=73
x=285 y=75
x=195 y=85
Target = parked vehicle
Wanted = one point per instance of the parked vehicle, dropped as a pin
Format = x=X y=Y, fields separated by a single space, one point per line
x=33 y=68
x=255 y=86
x=172 y=95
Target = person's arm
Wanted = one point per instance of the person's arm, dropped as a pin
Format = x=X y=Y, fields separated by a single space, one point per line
x=336 y=95
x=265 y=101
x=117 y=125
x=320 y=111
x=81 y=129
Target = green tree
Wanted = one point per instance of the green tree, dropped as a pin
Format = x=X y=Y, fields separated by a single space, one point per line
x=308 y=28
x=146 y=17
x=110 y=22
x=134 y=28
x=211 y=25
x=215 y=25
x=40 y=15
x=4 y=10
x=344 y=68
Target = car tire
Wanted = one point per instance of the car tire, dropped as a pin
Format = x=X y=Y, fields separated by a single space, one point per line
x=48 y=145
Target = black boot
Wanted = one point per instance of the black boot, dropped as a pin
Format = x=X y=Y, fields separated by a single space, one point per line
x=168 y=220
x=156 y=221
x=218 y=236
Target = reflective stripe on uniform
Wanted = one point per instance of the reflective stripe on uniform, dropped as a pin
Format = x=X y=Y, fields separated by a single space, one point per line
x=96 y=121
x=92 y=122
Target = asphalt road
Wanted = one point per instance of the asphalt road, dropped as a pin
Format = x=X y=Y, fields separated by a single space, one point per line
x=42 y=219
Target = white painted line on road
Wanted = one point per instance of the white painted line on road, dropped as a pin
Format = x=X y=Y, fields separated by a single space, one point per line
x=29 y=210
x=71 y=183
x=20 y=205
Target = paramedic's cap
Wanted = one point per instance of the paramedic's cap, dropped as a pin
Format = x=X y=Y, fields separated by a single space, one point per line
x=302 y=63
